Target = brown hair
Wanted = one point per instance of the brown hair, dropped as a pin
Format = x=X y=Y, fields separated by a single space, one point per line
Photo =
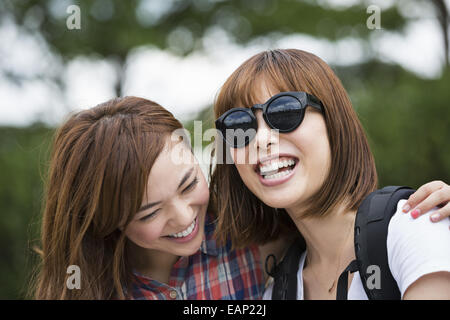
x=100 y=162
x=352 y=174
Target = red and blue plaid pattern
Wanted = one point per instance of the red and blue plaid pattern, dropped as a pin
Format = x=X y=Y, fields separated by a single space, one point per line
x=212 y=273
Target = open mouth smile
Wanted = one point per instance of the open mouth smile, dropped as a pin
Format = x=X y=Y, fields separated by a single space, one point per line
x=185 y=235
x=277 y=170
x=185 y=232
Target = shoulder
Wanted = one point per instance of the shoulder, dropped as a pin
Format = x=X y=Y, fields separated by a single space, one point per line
x=144 y=288
x=241 y=268
x=417 y=247
x=247 y=256
x=403 y=227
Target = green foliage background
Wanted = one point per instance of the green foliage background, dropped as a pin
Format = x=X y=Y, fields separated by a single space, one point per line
x=407 y=118
x=23 y=160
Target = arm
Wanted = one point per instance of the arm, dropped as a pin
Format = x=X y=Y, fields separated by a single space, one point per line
x=428 y=196
x=433 y=286
x=419 y=255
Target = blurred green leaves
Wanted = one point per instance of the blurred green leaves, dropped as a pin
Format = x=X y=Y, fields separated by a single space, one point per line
x=408 y=123
x=126 y=24
x=23 y=158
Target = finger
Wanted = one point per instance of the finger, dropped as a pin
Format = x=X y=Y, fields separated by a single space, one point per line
x=441 y=214
x=439 y=197
x=422 y=193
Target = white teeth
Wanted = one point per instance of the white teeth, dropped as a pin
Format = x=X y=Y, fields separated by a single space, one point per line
x=278 y=175
x=186 y=232
x=274 y=166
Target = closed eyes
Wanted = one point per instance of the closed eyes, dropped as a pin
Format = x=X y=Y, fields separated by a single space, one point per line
x=145 y=218
x=189 y=188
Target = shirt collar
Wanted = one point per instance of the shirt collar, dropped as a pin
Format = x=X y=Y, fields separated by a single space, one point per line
x=209 y=244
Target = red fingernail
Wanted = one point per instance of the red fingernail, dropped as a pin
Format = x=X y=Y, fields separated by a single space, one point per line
x=415 y=213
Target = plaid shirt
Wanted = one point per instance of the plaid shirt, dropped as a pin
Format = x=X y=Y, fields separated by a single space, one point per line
x=212 y=273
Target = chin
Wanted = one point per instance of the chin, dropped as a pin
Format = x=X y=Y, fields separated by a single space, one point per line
x=283 y=199
x=189 y=251
x=277 y=202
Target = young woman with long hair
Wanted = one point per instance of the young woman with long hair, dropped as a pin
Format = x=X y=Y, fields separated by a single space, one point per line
x=132 y=216
x=313 y=171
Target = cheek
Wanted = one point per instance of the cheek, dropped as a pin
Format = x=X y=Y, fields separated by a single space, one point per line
x=241 y=161
x=313 y=144
x=316 y=151
x=144 y=234
x=242 y=156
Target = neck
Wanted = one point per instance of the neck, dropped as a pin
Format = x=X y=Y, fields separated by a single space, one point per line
x=154 y=264
x=328 y=239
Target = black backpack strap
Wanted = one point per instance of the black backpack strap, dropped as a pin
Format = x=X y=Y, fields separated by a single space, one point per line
x=371 y=230
x=341 y=291
x=371 y=227
x=285 y=273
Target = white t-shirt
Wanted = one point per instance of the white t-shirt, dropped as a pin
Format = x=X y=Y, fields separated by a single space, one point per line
x=416 y=247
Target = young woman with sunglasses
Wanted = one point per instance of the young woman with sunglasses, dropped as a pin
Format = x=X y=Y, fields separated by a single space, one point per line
x=127 y=204
x=310 y=174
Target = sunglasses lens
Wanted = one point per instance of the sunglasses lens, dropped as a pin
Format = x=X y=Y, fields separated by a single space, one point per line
x=239 y=128
x=285 y=113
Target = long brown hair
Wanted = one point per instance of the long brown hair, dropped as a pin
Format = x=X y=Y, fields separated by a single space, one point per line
x=352 y=174
x=100 y=162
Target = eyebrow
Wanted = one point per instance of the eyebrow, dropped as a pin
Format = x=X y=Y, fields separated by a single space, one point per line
x=183 y=180
x=185 y=177
x=148 y=206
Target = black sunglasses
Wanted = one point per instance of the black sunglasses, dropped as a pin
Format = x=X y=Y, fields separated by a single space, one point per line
x=284 y=112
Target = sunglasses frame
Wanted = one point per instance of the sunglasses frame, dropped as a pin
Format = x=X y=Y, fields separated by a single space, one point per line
x=305 y=100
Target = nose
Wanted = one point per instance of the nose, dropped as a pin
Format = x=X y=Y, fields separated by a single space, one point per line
x=182 y=215
x=266 y=138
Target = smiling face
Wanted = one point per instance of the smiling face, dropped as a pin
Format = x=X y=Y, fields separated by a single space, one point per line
x=290 y=167
x=172 y=214
x=332 y=157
